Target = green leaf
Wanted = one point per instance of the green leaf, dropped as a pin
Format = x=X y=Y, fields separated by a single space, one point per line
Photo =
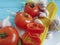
x=20 y=42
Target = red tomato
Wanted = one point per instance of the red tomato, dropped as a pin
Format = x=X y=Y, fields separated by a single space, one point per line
x=8 y=36
x=22 y=19
x=32 y=9
x=35 y=28
x=27 y=39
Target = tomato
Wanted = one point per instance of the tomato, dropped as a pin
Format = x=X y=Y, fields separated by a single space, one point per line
x=8 y=36
x=32 y=9
x=35 y=28
x=27 y=39
x=22 y=19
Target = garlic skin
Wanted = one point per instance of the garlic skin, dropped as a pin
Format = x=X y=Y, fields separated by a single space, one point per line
x=55 y=25
x=6 y=22
x=42 y=14
x=43 y=11
x=20 y=31
x=45 y=2
x=38 y=21
x=49 y=35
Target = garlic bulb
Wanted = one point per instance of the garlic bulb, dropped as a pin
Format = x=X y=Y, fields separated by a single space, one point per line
x=38 y=21
x=50 y=35
x=6 y=22
x=42 y=14
x=55 y=25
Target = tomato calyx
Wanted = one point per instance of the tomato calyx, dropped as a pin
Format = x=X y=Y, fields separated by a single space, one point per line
x=32 y=5
x=26 y=15
x=3 y=35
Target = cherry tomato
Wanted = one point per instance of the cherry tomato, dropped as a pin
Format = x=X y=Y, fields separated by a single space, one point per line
x=22 y=19
x=35 y=28
x=8 y=36
x=27 y=39
x=31 y=9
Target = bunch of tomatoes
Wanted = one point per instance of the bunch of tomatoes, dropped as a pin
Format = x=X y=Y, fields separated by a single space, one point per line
x=23 y=20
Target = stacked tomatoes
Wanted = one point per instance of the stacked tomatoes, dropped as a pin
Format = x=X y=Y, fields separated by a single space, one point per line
x=25 y=20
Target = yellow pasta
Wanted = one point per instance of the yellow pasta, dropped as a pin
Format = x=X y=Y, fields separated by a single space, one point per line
x=52 y=8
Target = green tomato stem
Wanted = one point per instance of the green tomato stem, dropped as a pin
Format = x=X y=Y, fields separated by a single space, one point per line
x=3 y=35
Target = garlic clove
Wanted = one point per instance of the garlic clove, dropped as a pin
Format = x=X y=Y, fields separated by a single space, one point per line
x=38 y=21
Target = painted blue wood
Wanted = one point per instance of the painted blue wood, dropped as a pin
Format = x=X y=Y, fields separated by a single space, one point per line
x=13 y=5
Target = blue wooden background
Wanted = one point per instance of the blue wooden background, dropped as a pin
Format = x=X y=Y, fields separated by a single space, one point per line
x=12 y=5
